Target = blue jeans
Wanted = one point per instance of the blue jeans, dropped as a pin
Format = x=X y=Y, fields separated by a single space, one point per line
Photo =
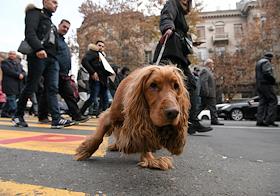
x=10 y=106
x=49 y=69
x=96 y=89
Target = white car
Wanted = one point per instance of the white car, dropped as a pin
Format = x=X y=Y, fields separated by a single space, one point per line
x=204 y=115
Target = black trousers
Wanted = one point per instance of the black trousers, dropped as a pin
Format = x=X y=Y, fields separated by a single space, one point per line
x=66 y=92
x=210 y=103
x=267 y=109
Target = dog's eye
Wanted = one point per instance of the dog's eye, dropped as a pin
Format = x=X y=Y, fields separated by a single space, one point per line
x=154 y=86
x=176 y=86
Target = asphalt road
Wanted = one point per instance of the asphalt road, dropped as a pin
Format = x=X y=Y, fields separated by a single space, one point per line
x=236 y=159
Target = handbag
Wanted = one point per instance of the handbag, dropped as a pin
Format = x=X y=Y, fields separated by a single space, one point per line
x=25 y=48
x=186 y=41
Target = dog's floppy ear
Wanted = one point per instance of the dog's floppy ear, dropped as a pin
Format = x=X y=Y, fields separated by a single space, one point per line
x=176 y=144
x=137 y=127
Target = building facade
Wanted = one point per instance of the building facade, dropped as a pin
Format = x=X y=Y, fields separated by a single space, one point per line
x=222 y=30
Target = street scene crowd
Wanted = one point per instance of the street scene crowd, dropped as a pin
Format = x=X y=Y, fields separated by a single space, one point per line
x=49 y=65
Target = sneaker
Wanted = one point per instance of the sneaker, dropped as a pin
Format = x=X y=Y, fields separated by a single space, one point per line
x=261 y=124
x=19 y=122
x=58 y=124
x=82 y=119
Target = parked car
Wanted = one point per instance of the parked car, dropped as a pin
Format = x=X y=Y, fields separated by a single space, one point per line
x=246 y=109
x=204 y=115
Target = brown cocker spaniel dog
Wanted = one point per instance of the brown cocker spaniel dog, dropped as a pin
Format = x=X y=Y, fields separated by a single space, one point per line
x=149 y=112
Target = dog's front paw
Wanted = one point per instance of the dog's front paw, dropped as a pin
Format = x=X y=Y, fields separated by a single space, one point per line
x=162 y=163
x=82 y=153
x=87 y=148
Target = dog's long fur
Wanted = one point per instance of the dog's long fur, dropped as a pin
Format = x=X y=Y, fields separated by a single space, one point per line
x=149 y=111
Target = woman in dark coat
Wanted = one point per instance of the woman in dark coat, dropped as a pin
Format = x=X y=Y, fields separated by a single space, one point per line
x=174 y=28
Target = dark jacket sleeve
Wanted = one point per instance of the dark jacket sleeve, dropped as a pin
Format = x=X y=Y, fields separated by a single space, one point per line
x=9 y=70
x=204 y=88
x=168 y=16
x=87 y=60
x=268 y=72
x=32 y=20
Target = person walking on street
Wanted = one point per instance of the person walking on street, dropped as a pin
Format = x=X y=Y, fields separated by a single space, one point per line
x=13 y=81
x=65 y=89
x=174 y=28
x=267 y=109
x=98 y=81
x=83 y=85
x=41 y=62
x=208 y=91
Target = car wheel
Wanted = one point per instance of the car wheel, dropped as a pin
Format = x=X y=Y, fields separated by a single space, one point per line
x=204 y=117
x=236 y=114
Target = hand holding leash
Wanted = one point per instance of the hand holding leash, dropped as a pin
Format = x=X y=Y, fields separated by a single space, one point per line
x=165 y=36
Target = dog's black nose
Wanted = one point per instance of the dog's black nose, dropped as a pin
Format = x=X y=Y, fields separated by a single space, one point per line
x=171 y=113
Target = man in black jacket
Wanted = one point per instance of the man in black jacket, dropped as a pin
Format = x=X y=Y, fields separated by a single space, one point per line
x=98 y=81
x=12 y=83
x=38 y=27
x=174 y=28
x=267 y=109
x=65 y=89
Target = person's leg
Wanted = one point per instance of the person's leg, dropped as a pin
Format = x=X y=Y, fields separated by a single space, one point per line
x=51 y=86
x=13 y=105
x=36 y=68
x=83 y=98
x=211 y=102
x=96 y=96
x=66 y=92
x=195 y=125
x=43 y=106
x=104 y=99
x=6 y=110
x=261 y=107
x=271 y=106
x=51 y=77
x=90 y=100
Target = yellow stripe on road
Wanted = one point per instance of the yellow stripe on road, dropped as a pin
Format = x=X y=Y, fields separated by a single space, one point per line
x=13 y=188
x=46 y=142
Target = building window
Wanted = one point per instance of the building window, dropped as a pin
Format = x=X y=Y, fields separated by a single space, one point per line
x=148 y=57
x=220 y=51
x=220 y=28
x=203 y=54
x=201 y=33
x=238 y=30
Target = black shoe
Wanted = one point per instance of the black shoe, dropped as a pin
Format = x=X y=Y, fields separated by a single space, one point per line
x=196 y=126
x=19 y=122
x=274 y=124
x=262 y=124
x=191 y=131
x=58 y=124
x=216 y=123
x=82 y=119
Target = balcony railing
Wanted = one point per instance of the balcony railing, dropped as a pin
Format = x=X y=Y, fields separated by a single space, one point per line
x=221 y=37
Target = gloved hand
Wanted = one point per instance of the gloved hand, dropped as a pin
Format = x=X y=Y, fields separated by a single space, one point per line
x=166 y=35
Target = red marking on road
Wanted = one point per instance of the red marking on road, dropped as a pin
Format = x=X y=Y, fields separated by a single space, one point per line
x=44 y=138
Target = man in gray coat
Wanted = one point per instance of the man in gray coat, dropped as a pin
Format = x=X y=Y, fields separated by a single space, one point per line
x=265 y=80
x=208 y=91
